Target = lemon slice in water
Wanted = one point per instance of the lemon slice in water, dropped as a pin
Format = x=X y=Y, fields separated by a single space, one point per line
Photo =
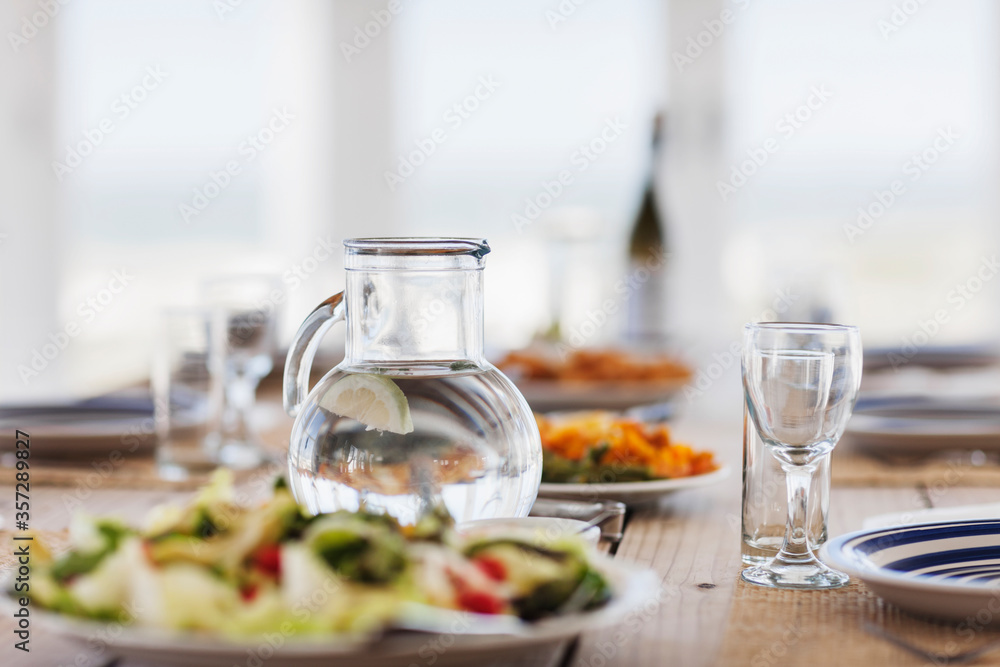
x=373 y=400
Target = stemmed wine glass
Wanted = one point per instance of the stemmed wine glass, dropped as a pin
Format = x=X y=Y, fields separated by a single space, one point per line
x=801 y=382
x=251 y=307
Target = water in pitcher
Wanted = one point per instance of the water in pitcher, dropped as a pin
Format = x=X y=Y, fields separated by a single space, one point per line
x=446 y=459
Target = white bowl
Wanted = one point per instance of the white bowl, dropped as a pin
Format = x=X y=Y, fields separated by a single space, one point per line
x=534 y=528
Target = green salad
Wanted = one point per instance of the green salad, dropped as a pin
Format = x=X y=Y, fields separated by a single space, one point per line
x=214 y=566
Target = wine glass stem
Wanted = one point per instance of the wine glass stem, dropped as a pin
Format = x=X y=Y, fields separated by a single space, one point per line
x=795 y=549
x=241 y=395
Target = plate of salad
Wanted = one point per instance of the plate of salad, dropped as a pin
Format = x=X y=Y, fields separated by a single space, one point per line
x=600 y=454
x=215 y=583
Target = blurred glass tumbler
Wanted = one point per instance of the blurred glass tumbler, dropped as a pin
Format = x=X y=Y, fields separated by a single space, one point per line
x=188 y=391
x=765 y=500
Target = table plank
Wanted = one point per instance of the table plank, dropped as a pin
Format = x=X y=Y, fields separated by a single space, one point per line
x=691 y=540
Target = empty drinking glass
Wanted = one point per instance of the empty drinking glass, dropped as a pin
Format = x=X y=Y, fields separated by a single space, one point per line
x=187 y=391
x=765 y=500
x=801 y=382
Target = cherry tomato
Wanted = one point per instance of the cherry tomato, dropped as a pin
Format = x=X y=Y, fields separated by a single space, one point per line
x=492 y=568
x=480 y=603
x=268 y=560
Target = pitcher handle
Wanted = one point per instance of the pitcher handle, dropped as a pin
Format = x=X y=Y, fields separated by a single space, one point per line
x=302 y=351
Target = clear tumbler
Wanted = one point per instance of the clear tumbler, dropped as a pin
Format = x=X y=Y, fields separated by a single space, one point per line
x=187 y=391
x=765 y=501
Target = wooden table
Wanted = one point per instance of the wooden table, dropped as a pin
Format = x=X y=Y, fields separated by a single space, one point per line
x=691 y=539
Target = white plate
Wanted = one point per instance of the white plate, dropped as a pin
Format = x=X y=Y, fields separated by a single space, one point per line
x=916 y=425
x=933 y=515
x=948 y=569
x=632 y=493
x=549 y=395
x=451 y=638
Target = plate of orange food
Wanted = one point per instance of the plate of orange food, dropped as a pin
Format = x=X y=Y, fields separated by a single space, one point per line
x=551 y=378
x=599 y=454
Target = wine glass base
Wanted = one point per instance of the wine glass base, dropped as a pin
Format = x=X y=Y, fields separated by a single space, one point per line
x=173 y=471
x=242 y=455
x=810 y=577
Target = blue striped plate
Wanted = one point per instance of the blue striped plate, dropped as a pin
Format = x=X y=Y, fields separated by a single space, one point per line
x=948 y=569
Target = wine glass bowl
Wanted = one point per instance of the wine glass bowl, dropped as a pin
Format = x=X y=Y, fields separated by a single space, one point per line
x=801 y=382
x=798 y=381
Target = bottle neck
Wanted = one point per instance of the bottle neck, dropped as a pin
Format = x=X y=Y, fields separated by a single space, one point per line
x=399 y=316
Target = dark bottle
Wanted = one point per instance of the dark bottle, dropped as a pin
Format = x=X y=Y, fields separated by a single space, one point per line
x=647 y=255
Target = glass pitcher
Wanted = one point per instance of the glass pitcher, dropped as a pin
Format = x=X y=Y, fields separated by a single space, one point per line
x=414 y=417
